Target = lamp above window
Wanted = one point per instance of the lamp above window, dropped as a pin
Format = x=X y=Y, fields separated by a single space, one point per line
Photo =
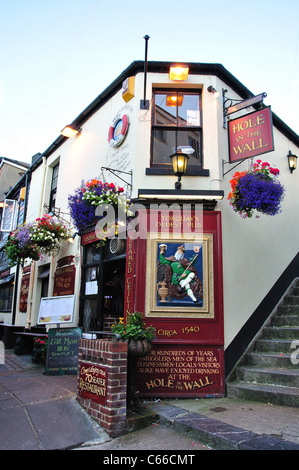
x=178 y=72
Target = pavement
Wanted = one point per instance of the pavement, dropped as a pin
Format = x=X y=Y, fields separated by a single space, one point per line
x=40 y=412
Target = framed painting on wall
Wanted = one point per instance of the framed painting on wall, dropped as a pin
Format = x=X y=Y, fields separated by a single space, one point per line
x=179 y=276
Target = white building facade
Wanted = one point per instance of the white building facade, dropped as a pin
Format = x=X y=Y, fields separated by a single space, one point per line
x=259 y=256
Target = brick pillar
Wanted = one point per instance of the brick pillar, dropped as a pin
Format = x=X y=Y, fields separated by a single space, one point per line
x=112 y=356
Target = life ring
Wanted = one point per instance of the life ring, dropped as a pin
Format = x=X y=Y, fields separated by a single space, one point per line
x=118 y=130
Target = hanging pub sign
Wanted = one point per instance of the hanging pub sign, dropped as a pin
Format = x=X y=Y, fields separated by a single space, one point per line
x=250 y=135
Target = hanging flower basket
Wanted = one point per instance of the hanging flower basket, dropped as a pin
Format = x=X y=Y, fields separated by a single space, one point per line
x=43 y=236
x=256 y=190
x=88 y=196
x=48 y=233
x=19 y=245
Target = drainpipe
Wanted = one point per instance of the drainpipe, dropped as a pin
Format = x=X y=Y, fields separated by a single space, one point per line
x=33 y=265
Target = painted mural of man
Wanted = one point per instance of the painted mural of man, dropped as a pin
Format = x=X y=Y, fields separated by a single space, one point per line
x=181 y=277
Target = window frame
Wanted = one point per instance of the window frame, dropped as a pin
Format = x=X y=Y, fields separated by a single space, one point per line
x=53 y=189
x=165 y=168
x=6 y=295
x=12 y=215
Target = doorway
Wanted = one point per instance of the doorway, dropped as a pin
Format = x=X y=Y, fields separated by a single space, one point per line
x=102 y=286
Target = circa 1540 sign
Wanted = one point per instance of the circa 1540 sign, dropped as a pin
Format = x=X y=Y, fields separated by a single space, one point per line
x=250 y=135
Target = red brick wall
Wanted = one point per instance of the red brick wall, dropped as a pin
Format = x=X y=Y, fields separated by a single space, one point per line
x=113 y=356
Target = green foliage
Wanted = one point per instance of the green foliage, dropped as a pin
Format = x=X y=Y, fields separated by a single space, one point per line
x=134 y=327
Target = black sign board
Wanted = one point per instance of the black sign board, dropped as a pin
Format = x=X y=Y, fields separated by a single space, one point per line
x=63 y=349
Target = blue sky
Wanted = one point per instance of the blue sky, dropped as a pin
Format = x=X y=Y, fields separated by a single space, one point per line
x=58 y=56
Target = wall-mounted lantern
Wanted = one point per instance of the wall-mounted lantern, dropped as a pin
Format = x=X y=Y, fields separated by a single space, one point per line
x=213 y=90
x=292 y=159
x=179 y=162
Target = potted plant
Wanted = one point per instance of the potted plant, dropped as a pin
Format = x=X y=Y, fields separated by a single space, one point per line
x=19 y=245
x=39 y=351
x=257 y=189
x=136 y=333
x=139 y=338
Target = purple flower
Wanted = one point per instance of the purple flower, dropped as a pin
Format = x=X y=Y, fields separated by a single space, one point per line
x=259 y=192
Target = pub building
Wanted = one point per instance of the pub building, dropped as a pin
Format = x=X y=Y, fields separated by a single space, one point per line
x=173 y=143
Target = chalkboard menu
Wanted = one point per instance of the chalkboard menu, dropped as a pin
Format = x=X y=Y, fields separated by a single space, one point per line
x=63 y=349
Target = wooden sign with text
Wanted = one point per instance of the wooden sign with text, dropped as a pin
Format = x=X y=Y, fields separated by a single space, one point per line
x=63 y=350
x=250 y=135
x=187 y=356
x=92 y=383
x=182 y=371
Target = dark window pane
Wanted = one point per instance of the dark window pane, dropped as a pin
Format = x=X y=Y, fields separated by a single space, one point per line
x=186 y=140
x=165 y=114
x=188 y=110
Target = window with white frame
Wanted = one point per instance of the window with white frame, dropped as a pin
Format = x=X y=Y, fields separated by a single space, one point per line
x=8 y=215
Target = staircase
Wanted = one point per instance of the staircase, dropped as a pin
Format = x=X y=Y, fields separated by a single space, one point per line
x=269 y=370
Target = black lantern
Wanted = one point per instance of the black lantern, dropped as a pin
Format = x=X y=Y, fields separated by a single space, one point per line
x=179 y=162
x=292 y=161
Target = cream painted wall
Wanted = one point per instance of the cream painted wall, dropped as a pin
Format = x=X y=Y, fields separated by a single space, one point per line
x=256 y=251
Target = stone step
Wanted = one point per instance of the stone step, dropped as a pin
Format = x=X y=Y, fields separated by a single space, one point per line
x=286 y=320
x=282 y=332
x=295 y=290
x=268 y=359
x=272 y=376
x=291 y=300
x=288 y=310
x=272 y=345
x=285 y=396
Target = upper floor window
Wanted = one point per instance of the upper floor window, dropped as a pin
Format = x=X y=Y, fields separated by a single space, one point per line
x=176 y=125
x=53 y=191
x=8 y=215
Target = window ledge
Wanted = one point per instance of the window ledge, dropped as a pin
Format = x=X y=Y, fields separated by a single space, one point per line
x=169 y=171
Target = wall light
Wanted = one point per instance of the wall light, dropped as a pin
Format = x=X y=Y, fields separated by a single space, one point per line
x=292 y=161
x=72 y=237
x=179 y=162
x=178 y=72
x=213 y=90
x=70 y=131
